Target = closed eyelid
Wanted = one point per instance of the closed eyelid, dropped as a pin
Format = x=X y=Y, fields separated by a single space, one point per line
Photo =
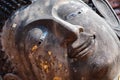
x=73 y=14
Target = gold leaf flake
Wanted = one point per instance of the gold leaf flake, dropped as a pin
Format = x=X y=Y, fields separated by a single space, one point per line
x=49 y=53
x=57 y=78
x=35 y=47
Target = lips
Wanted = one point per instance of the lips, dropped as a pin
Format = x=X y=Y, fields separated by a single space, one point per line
x=83 y=49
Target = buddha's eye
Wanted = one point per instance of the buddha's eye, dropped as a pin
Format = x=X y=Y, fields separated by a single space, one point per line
x=35 y=36
x=73 y=14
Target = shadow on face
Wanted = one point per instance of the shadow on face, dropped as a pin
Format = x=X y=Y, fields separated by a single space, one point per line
x=49 y=49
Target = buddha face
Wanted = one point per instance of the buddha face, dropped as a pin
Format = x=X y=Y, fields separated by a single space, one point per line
x=116 y=6
x=61 y=40
x=96 y=31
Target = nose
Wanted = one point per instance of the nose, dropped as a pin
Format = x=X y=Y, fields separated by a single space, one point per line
x=76 y=29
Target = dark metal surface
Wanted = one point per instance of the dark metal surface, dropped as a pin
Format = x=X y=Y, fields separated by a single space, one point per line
x=62 y=40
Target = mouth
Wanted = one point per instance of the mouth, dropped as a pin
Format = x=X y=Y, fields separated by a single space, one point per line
x=83 y=49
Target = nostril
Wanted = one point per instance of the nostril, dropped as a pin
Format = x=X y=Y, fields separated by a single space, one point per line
x=81 y=29
x=39 y=42
x=94 y=36
x=79 y=12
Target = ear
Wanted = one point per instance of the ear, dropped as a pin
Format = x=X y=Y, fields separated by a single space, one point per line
x=108 y=14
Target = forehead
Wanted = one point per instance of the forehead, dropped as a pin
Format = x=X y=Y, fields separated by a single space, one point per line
x=69 y=11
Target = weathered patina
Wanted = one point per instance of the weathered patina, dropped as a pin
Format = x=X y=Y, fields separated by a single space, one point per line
x=63 y=40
